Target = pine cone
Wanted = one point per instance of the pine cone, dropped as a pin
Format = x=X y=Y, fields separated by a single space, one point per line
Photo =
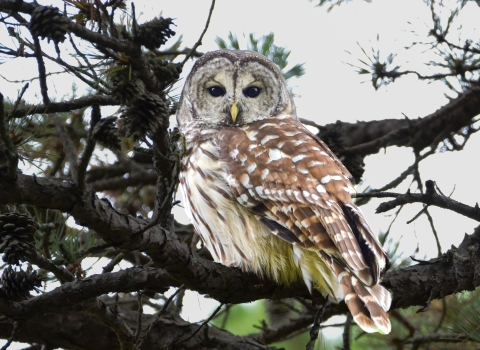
x=106 y=133
x=16 y=236
x=17 y=285
x=47 y=22
x=128 y=90
x=144 y=116
x=166 y=72
x=154 y=33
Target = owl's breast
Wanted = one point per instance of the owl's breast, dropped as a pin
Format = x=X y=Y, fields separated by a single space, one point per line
x=225 y=226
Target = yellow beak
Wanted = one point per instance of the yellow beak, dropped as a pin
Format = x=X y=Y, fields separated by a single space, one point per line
x=234 y=111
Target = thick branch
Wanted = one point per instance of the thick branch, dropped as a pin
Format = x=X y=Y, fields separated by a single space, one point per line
x=77 y=291
x=415 y=285
x=184 y=265
x=411 y=286
x=87 y=331
x=451 y=273
x=369 y=137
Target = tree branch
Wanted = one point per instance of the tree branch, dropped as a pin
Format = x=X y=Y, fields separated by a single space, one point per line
x=66 y=106
x=114 y=321
x=77 y=291
x=199 y=41
x=428 y=198
x=228 y=285
x=366 y=138
x=94 y=334
x=41 y=70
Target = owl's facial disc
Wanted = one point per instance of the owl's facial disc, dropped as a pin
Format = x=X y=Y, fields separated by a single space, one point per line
x=235 y=88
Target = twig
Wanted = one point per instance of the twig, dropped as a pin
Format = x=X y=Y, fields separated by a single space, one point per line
x=377 y=195
x=179 y=302
x=109 y=267
x=82 y=55
x=103 y=42
x=435 y=234
x=185 y=51
x=16 y=326
x=77 y=71
x=433 y=199
x=227 y=313
x=421 y=262
x=442 y=318
x=201 y=326
x=9 y=149
x=89 y=148
x=401 y=177
x=310 y=123
x=437 y=337
x=284 y=330
x=62 y=274
x=124 y=333
x=404 y=321
x=68 y=147
x=316 y=325
x=346 y=332
x=158 y=316
x=66 y=106
x=57 y=164
x=424 y=209
x=113 y=27
x=99 y=17
x=387 y=233
x=139 y=317
x=41 y=70
x=19 y=99
x=416 y=173
x=199 y=42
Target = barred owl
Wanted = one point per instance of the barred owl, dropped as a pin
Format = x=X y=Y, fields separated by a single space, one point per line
x=267 y=195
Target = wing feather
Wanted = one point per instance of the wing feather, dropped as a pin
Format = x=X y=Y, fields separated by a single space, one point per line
x=298 y=189
x=300 y=181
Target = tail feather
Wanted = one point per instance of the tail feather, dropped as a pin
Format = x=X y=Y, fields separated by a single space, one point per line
x=357 y=308
x=381 y=295
x=376 y=312
x=367 y=304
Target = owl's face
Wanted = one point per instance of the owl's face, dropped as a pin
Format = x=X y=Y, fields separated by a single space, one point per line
x=234 y=88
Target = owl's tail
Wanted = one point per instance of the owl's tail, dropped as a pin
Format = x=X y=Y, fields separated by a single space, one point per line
x=367 y=304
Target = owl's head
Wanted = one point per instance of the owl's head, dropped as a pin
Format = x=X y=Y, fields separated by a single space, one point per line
x=232 y=88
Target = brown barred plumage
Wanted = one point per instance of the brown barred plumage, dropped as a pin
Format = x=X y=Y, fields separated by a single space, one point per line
x=267 y=195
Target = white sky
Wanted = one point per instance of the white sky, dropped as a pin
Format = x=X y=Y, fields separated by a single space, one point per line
x=331 y=90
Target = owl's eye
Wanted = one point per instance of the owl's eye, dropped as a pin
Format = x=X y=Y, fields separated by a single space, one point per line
x=216 y=91
x=252 y=91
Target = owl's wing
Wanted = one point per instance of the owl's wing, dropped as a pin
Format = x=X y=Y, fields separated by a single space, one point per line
x=300 y=190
